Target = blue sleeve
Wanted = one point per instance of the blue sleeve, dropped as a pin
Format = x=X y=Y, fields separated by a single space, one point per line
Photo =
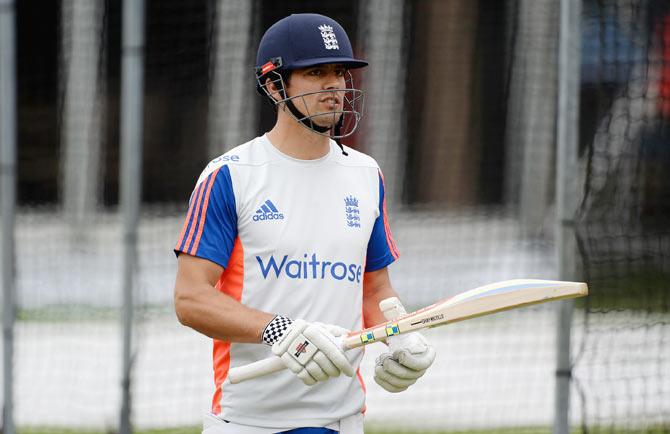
x=381 y=248
x=210 y=228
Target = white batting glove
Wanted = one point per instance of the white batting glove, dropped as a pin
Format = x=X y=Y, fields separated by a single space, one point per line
x=310 y=350
x=408 y=358
x=409 y=355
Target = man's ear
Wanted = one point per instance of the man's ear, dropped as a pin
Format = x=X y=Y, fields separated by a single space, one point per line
x=271 y=86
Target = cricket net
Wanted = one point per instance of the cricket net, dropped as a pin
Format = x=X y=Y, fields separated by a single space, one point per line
x=460 y=113
x=623 y=231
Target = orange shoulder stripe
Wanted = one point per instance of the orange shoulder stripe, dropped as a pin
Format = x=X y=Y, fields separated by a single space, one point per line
x=203 y=215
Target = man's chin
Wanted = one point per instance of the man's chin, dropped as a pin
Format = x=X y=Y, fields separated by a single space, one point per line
x=326 y=120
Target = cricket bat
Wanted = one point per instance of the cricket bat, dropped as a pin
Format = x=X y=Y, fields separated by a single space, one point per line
x=487 y=299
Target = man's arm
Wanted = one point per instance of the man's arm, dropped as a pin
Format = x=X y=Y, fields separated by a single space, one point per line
x=376 y=287
x=202 y=307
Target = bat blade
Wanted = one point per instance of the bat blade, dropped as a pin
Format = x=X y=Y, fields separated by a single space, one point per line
x=488 y=299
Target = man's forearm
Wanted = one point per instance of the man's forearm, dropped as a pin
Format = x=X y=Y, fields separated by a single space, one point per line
x=371 y=313
x=208 y=311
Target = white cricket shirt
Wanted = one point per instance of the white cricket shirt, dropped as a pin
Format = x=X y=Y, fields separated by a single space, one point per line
x=295 y=238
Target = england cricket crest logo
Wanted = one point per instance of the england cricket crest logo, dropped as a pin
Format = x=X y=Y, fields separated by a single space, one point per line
x=352 y=212
x=329 y=38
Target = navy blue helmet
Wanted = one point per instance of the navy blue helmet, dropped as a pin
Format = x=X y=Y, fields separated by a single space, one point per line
x=301 y=41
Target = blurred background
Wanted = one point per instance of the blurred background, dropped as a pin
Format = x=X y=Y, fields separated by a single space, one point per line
x=462 y=113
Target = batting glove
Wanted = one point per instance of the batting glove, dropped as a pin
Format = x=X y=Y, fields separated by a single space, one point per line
x=310 y=350
x=408 y=357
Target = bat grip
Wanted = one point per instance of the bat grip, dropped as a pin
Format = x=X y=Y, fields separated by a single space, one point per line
x=391 y=307
x=256 y=369
x=263 y=367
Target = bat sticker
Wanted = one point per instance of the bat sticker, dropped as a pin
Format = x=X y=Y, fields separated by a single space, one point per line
x=428 y=320
x=367 y=337
x=392 y=329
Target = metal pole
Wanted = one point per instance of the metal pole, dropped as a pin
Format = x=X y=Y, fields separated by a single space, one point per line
x=232 y=114
x=569 y=57
x=131 y=178
x=8 y=202
x=381 y=22
x=82 y=72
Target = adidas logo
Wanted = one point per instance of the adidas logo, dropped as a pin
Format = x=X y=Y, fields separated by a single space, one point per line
x=268 y=211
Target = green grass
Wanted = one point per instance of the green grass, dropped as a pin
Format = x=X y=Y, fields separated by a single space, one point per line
x=68 y=313
x=519 y=430
x=371 y=430
x=52 y=430
x=646 y=290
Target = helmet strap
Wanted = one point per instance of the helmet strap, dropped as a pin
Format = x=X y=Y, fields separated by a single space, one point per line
x=305 y=120
x=300 y=116
x=336 y=130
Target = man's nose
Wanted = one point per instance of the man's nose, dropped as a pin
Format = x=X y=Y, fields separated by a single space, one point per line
x=332 y=81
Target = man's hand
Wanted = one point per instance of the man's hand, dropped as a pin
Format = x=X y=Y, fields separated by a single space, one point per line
x=310 y=350
x=409 y=355
x=408 y=358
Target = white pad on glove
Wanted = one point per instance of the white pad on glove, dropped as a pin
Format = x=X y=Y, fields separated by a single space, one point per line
x=312 y=352
x=408 y=358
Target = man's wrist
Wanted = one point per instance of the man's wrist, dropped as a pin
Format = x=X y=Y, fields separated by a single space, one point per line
x=275 y=329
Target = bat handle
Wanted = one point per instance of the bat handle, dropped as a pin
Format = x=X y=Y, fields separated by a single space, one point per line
x=262 y=367
x=392 y=308
x=256 y=369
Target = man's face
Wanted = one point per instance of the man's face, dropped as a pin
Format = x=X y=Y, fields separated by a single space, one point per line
x=328 y=80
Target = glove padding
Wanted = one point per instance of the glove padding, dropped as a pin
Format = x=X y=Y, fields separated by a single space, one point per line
x=312 y=352
x=408 y=358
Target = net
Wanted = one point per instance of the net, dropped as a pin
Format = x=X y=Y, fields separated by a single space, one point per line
x=623 y=380
x=460 y=112
x=65 y=245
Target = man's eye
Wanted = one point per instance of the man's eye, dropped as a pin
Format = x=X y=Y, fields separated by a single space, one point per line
x=340 y=72
x=315 y=72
